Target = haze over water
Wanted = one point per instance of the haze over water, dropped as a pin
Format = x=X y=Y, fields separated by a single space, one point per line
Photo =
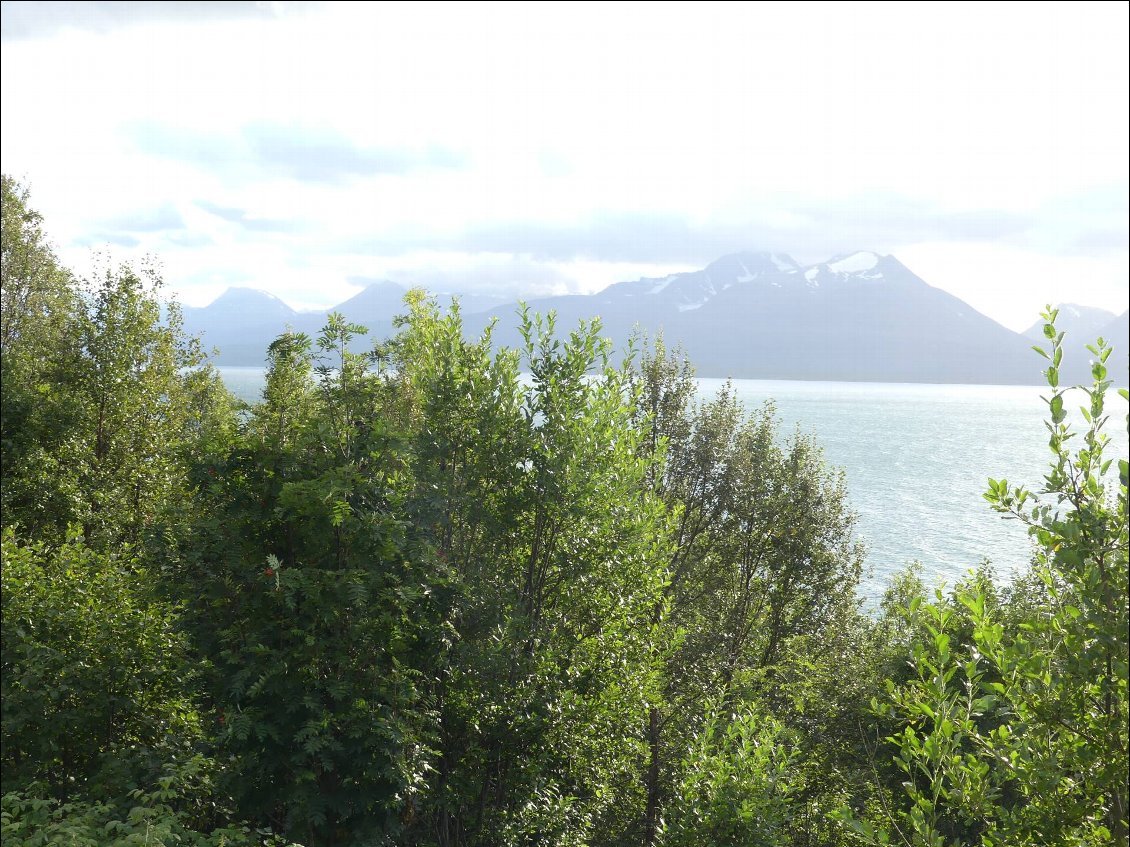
x=916 y=459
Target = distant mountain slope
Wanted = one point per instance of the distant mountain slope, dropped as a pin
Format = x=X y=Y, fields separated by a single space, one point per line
x=1077 y=321
x=1117 y=334
x=860 y=316
x=240 y=323
x=378 y=301
x=1082 y=325
x=239 y=309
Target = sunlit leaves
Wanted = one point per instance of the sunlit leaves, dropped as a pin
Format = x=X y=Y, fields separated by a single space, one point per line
x=1020 y=735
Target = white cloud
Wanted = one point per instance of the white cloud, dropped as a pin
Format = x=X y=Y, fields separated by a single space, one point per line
x=1014 y=285
x=737 y=117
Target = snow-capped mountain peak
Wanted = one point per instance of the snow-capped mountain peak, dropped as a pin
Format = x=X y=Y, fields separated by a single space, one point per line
x=861 y=265
x=690 y=291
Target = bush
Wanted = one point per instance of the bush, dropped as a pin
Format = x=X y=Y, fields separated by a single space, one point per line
x=95 y=682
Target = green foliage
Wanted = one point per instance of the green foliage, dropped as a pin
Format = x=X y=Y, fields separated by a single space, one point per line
x=1067 y=668
x=104 y=405
x=736 y=784
x=95 y=680
x=103 y=395
x=37 y=299
x=133 y=407
x=763 y=544
x=39 y=311
x=821 y=692
x=762 y=554
x=1019 y=735
x=311 y=604
x=32 y=818
x=530 y=491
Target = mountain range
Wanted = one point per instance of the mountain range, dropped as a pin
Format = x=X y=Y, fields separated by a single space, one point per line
x=857 y=317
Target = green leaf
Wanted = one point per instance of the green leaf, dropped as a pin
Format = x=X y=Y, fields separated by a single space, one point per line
x=1056 y=406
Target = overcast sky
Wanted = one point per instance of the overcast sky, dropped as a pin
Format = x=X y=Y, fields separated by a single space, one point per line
x=529 y=149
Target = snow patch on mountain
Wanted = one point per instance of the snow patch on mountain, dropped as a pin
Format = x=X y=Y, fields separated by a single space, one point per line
x=854 y=263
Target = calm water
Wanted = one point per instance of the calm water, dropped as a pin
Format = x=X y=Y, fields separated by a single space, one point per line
x=916 y=458
x=246 y=383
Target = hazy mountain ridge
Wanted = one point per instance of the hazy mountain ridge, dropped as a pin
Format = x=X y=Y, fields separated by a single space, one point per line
x=1083 y=325
x=859 y=317
x=1117 y=334
x=1077 y=320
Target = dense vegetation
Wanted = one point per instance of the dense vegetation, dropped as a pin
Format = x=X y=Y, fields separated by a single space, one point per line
x=444 y=594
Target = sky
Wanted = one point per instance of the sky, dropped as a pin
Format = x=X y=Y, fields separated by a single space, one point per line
x=530 y=149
